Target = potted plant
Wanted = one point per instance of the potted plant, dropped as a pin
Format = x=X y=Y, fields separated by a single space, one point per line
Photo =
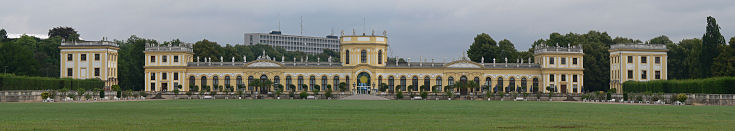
x=278 y=94
x=328 y=93
x=189 y=93
x=449 y=94
x=424 y=95
x=303 y=94
x=399 y=94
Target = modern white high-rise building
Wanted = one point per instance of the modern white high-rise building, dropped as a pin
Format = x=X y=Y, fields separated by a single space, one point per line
x=306 y=44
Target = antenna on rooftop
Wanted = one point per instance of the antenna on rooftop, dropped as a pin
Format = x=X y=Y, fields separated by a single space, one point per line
x=302 y=25
x=364 y=26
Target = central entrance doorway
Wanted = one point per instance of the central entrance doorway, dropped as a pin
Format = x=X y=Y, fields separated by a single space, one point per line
x=363 y=83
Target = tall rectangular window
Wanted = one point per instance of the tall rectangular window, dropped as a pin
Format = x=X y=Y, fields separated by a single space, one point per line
x=551 y=77
x=153 y=86
x=153 y=76
x=551 y=60
x=69 y=57
x=574 y=61
x=563 y=61
x=658 y=60
x=630 y=74
x=163 y=76
x=644 y=59
x=176 y=58
x=643 y=74
x=658 y=75
x=630 y=59
x=574 y=78
x=176 y=76
x=153 y=58
x=164 y=59
x=96 y=57
x=84 y=57
x=96 y=71
x=69 y=72
x=563 y=77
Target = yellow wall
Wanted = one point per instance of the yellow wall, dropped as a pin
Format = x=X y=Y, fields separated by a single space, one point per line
x=85 y=69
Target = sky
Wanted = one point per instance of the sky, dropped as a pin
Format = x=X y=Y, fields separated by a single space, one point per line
x=427 y=28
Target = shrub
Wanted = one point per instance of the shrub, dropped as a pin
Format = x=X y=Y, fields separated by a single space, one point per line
x=45 y=95
x=12 y=82
x=328 y=94
x=681 y=97
x=81 y=92
x=143 y=94
x=424 y=94
x=88 y=96
x=715 y=85
x=399 y=95
x=609 y=96
x=303 y=95
x=625 y=96
x=102 y=93
x=449 y=93
x=189 y=93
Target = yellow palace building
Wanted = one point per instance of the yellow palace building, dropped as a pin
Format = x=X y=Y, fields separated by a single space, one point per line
x=363 y=67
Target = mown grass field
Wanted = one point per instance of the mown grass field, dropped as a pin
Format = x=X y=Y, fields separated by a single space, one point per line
x=359 y=115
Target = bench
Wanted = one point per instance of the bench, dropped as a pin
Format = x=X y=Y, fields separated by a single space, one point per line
x=311 y=97
x=519 y=99
x=208 y=97
x=416 y=98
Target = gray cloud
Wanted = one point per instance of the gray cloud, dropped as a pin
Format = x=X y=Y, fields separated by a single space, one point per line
x=417 y=28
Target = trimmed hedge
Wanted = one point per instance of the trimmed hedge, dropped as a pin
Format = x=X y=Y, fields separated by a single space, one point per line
x=12 y=82
x=715 y=85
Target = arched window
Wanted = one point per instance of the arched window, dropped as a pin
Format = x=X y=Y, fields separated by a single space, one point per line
x=324 y=83
x=288 y=83
x=250 y=80
x=203 y=81
x=477 y=81
x=499 y=86
x=523 y=83
x=450 y=81
x=312 y=81
x=391 y=83
x=215 y=82
x=227 y=80
x=427 y=82
x=463 y=79
x=276 y=80
x=300 y=82
x=415 y=83
x=439 y=80
x=488 y=81
x=512 y=84
x=535 y=84
x=336 y=82
x=347 y=81
x=403 y=83
x=263 y=78
x=239 y=80
x=363 y=56
x=380 y=56
x=347 y=57
x=192 y=81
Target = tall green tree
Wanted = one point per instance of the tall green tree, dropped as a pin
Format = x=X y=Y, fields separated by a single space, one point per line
x=664 y=40
x=207 y=49
x=482 y=47
x=17 y=56
x=711 y=41
x=683 y=58
x=131 y=62
x=3 y=35
x=66 y=33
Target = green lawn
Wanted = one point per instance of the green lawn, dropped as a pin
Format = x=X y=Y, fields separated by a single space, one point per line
x=359 y=115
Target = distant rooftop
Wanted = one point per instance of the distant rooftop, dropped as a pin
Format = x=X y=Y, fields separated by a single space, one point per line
x=181 y=47
x=556 y=49
x=638 y=46
x=89 y=43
